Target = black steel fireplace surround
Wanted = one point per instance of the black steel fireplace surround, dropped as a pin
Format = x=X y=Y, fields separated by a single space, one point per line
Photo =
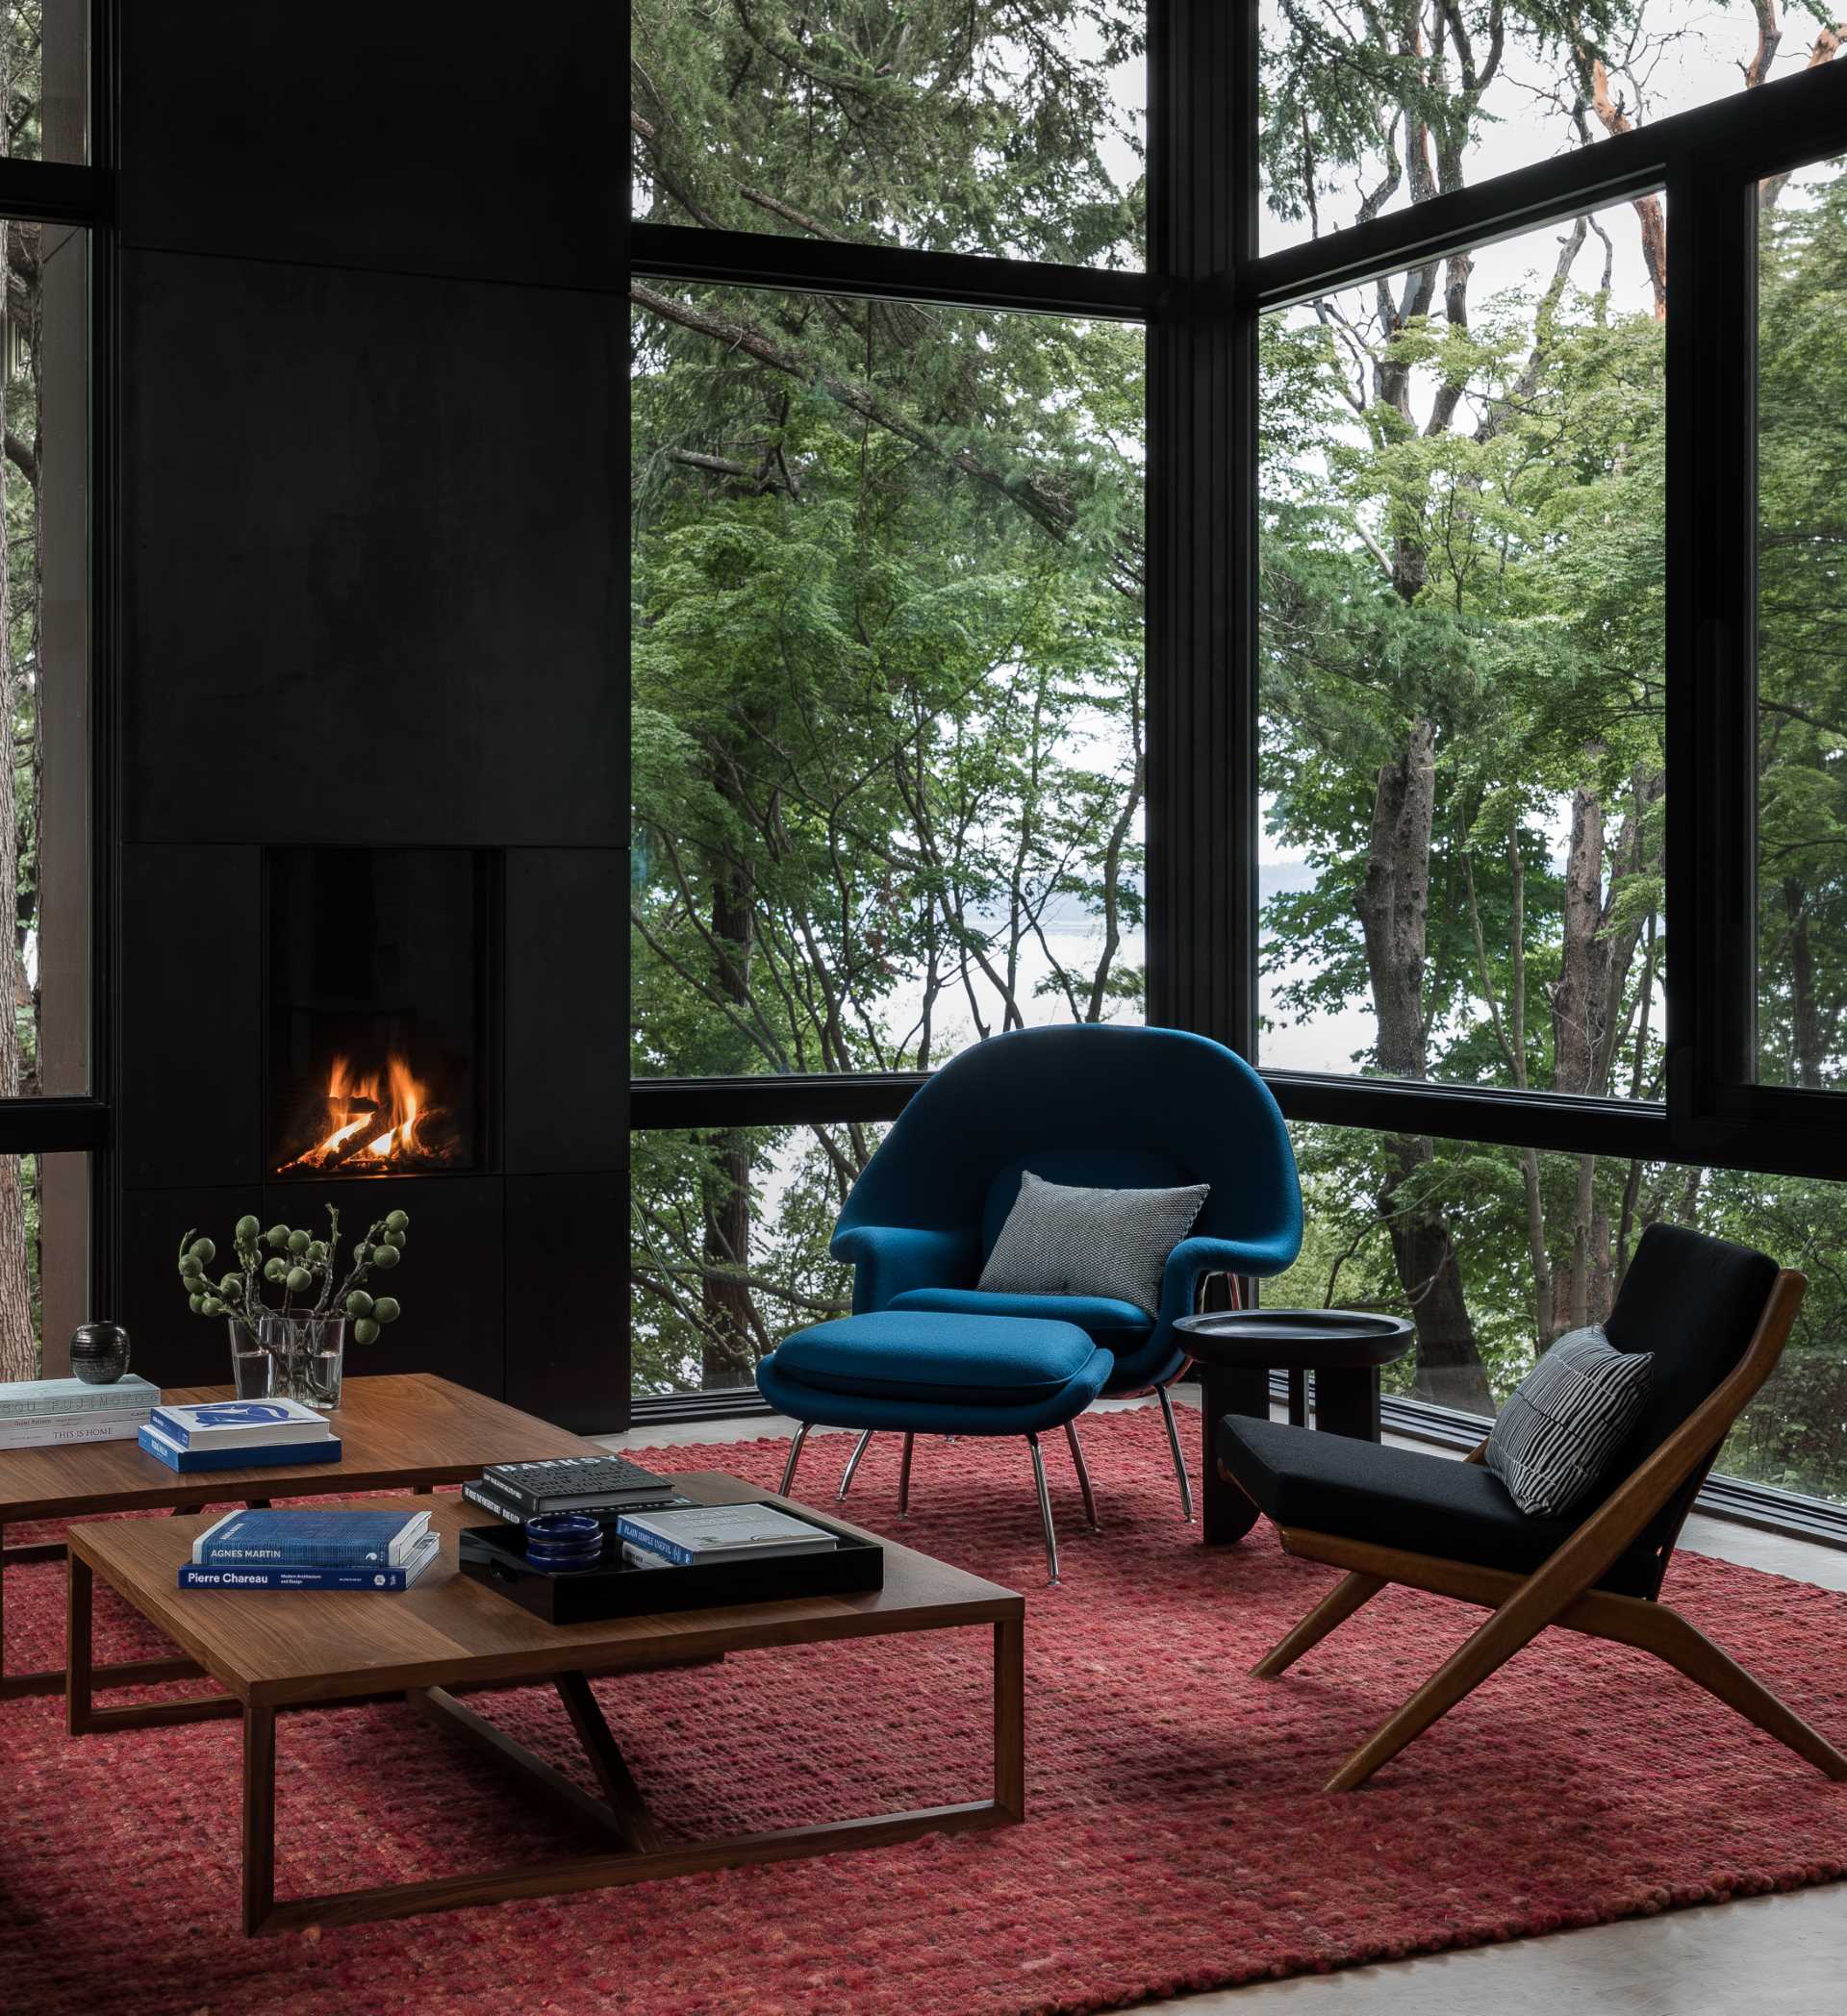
x=468 y=974
x=358 y=582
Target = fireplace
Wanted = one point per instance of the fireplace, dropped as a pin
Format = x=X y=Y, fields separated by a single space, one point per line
x=455 y=1007
x=379 y=1053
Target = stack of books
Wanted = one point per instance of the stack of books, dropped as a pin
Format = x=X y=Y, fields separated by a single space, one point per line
x=239 y=1435
x=50 y=1413
x=704 y=1534
x=605 y=1485
x=311 y=1547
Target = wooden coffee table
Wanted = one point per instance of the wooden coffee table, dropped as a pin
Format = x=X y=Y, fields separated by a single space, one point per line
x=395 y=1429
x=276 y=1650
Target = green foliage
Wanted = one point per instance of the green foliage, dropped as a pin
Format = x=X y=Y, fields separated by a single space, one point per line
x=955 y=125
x=887 y=680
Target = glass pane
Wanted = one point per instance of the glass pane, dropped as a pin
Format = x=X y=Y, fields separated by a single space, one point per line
x=728 y=1246
x=1490 y=1249
x=44 y=63
x=1462 y=762
x=1008 y=127
x=44 y=1261
x=1802 y=663
x=44 y=662
x=887 y=680
x=1364 y=112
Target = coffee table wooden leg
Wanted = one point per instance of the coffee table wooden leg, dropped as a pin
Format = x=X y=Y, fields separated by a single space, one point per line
x=620 y=1789
x=81 y=1676
x=78 y=1588
x=1010 y=1717
x=1226 y=1513
x=633 y=1864
x=259 y=1816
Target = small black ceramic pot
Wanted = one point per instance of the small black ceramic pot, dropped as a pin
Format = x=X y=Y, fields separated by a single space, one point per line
x=99 y=1352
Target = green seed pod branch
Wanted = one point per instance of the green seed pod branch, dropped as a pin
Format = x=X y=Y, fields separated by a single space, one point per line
x=302 y=1266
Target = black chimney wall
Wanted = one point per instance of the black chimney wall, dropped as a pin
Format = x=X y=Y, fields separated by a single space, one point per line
x=368 y=406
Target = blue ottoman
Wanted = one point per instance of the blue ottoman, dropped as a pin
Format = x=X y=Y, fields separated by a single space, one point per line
x=925 y=1373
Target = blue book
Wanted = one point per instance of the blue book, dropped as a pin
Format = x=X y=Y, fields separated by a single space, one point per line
x=239 y=1423
x=169 y=1452
x=200 y=1576
x=310 y=1537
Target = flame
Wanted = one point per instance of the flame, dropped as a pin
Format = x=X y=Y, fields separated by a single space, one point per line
x=355 y=1106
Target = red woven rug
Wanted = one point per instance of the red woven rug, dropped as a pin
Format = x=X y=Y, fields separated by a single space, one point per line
x=1174 y=1840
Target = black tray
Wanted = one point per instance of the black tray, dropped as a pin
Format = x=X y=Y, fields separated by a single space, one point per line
x=496 y=1556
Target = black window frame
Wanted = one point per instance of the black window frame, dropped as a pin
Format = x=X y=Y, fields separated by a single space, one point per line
x=83 y=195
x=1200 y=298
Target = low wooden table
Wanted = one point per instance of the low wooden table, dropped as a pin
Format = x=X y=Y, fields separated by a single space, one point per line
x=276 y=1650
x=395 y=1430
x=1236 y=1350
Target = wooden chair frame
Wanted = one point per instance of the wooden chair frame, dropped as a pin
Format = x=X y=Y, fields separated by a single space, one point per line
x=1560 y=1591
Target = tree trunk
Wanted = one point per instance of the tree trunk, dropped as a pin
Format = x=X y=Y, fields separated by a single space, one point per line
x=18 y=1333
x=1805 y=1011
x=726 y=1305
x=1394 y=913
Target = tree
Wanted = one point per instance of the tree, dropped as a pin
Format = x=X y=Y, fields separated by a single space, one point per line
x=1461 y=605
x=888 y=770
x=21 y=778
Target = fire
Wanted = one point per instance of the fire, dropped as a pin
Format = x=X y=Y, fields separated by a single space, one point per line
x=355 y=1107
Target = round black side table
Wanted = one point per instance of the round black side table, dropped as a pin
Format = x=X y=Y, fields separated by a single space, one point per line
x=1236 y=1351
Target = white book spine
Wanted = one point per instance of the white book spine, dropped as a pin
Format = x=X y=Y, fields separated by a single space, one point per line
x=50 y=1432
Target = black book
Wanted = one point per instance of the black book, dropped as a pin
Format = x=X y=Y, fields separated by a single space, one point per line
x=479 y=1494
x=520 y=1491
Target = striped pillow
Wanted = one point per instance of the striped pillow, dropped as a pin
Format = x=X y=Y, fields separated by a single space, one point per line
x=1566 y=1419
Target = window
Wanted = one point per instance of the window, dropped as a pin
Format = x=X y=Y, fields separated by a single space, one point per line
x=728 y=1246
x=1453 y=537
x=1463 y=669
x=1363 y=113
x=987 y=127
x=45 y=1256
x=1492 y=1251
x=1801 y=647
x=49 y=1117
x=44 y=63
x=887 y=679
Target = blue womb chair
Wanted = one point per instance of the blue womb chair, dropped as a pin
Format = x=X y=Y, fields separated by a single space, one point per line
x=1103 y=1107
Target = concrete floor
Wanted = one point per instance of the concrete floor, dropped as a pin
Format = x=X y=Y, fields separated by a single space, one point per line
x=1781 y=1955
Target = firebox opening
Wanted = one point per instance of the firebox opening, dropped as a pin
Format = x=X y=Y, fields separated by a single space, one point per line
x=377 y=1011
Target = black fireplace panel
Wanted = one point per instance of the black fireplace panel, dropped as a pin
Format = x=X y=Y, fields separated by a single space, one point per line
x=452 y=1284
x=567 y=1355
x=192 y=970
x=567 y=1019
x=380 y=1023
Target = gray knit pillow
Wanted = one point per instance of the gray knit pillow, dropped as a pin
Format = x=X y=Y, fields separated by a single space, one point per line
x=1566 y=1419
x=1059 y=1240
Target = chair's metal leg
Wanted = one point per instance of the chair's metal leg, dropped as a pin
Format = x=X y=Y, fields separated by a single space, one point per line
x=904 y=1477
x=1179 y=1461
x=795 y=1457
x=852 y=1464
x=1045 y=1512
x=1083 y=1474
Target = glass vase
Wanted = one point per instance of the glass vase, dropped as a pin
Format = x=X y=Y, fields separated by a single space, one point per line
x=307 y=1354
x=249 y=1363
